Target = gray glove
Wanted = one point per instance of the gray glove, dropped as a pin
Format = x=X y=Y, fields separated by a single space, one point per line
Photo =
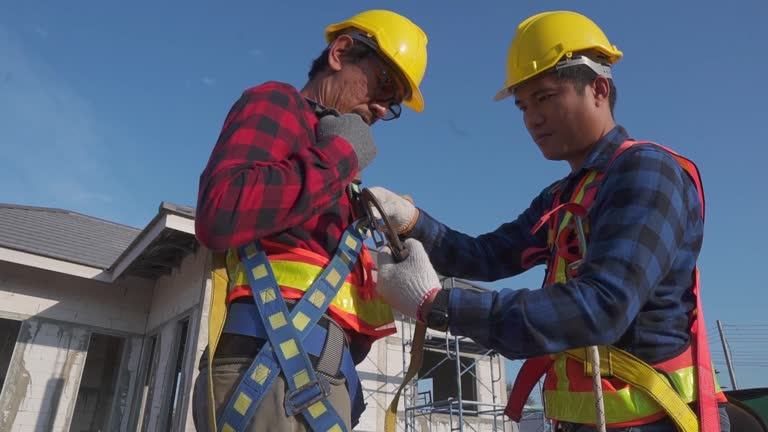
x=404 y=285
x=355 y=131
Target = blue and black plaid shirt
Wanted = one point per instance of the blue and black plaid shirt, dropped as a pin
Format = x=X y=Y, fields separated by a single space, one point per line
x=632 y=291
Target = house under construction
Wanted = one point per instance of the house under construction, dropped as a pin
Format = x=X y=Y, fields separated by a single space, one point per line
x=102 y=326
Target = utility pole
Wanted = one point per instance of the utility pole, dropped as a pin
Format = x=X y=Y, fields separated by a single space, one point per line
x=727 y=352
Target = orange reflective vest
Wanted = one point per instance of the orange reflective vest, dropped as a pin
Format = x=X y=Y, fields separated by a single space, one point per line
x=356 y=306
x=568 y=389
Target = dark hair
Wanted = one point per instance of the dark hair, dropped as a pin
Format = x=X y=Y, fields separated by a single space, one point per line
x=581 y=76
x=356 y=53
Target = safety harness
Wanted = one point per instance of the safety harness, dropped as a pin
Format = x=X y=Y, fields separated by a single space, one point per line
x=635 y=392
x=291 y=336
x=286 y=332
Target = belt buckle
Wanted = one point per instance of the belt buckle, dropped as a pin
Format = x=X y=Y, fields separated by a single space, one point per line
x=301 y=398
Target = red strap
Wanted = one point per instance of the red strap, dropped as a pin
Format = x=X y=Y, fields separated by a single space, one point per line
x=624 y=146
x=531 y=372
x=708 y=409
x=572 y=207
x=367 y=290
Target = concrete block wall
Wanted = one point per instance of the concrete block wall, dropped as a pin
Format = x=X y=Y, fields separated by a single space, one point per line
x=122 y=306
x=43 y=378
x=373 y=377
x=179 y=292
x=40 y=392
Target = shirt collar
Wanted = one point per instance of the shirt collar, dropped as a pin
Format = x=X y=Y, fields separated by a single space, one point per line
x=604 y=149
x=319 y=109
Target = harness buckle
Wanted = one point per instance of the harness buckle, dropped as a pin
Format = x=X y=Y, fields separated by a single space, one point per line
x=572 y=270
x=301 y=398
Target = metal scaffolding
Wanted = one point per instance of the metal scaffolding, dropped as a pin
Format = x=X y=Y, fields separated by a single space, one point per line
x=461 y=414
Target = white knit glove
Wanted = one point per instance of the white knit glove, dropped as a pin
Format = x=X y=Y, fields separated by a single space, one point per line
x=405 y=284
x=400 y=211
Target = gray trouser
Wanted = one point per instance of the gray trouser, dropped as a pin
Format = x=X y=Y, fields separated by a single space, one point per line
x=270 y=414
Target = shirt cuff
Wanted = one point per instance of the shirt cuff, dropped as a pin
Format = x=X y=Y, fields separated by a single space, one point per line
x=469 y=314
x=427 y=230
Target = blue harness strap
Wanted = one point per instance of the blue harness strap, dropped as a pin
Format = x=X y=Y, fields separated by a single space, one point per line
x=241 y=320
x=284 y=350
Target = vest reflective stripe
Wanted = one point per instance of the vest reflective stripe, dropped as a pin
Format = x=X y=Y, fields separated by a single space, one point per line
x=580 y=407
x=568 y=388
x=372 y=316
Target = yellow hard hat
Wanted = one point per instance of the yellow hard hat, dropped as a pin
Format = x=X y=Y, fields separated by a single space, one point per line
x=401 y=41
x=543 y=39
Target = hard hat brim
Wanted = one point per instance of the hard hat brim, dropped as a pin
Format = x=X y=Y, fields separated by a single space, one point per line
x=416 y=102
x=503 y=94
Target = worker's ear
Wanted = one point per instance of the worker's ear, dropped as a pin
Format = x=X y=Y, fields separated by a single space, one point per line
x=601 y=90
x=340 y=46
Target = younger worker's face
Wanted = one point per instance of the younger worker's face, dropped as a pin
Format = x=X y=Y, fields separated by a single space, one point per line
x=558 y=118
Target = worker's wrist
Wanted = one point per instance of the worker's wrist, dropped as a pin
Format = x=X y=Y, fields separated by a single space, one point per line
x=412 y=223
x=425 y=305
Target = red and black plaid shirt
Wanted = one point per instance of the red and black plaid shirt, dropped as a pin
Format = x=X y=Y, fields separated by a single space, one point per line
x=270 y=177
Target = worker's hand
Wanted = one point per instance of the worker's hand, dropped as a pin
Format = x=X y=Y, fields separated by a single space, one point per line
x=355 y=131
x=401 y=212
x=406 y=284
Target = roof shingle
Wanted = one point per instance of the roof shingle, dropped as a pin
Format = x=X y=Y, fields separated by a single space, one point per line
x=63 y=234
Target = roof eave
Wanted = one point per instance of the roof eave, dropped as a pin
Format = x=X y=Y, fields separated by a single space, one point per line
x=165 y=219
x=54 y=264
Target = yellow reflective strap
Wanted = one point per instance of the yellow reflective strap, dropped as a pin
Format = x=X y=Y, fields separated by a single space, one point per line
x=375 y=312
x=560 y=270
x=641 y=376
x=417 y=356
x=217 y=314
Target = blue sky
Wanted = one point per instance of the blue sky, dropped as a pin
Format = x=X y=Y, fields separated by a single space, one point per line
x=109 y=108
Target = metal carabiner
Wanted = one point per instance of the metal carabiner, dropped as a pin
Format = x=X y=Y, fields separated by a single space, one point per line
x=383 y=227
